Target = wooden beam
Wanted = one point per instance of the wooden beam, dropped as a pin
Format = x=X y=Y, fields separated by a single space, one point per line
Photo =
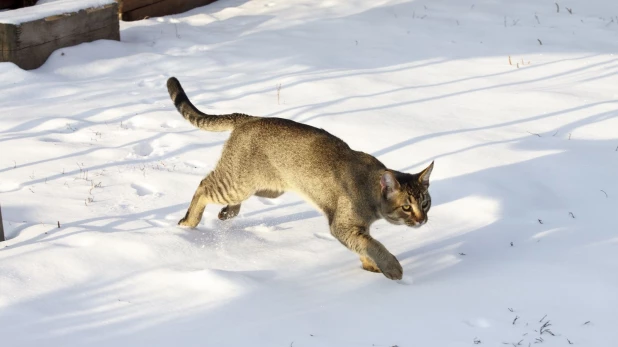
x=139 y=9
x=30 y=44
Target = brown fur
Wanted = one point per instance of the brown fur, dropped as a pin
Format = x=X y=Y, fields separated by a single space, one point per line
x=269 y=156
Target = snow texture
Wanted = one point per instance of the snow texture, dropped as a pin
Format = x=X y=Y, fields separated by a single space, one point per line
x=46 y=8
x=523 y=228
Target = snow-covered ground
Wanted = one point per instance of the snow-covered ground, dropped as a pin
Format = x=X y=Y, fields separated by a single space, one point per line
x=522 y=231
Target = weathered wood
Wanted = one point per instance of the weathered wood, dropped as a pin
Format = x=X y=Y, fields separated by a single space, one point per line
x=1 y=226
x=131 y=10
x=30 y=44
x=7 y=4
x=128 y=5
x=16 y=3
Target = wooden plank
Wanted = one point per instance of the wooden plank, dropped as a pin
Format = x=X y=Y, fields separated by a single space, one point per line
x=128 y=5
x=29 y=44
x=54 y=27
x=35 y=56
x=8 y=37
x=16 y=3
x=163 y=8
x=8 y=4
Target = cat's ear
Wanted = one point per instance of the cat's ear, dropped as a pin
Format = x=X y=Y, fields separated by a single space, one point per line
x=389 y=183
x=423 y=177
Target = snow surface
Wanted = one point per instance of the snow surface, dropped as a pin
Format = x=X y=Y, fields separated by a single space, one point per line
x=46 y=8
x=523 y=228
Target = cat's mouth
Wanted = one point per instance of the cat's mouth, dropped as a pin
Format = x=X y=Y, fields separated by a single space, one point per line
x=415 y=224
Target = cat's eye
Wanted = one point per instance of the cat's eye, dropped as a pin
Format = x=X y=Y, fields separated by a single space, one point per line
x=406 y=208
x=425 y=204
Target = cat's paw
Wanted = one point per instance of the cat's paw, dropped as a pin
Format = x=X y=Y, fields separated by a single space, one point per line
x=369 y=265
x=185 y=223
x=371 y=268
x=228 y=213
x=391 y=268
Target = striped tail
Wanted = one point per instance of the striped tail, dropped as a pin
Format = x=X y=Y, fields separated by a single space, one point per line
x=199 y=119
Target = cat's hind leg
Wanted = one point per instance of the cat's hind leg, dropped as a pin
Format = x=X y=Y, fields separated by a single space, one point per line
x=231 y=211
x=214 y=189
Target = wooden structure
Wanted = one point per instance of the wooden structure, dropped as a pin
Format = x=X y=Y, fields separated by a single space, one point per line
x=29 y=44
x=130 y=10
x=16 y=3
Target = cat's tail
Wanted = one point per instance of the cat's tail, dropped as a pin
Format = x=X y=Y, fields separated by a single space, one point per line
x=196 y=117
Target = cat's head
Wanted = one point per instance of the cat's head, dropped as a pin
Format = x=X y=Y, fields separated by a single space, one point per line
x=405 y=197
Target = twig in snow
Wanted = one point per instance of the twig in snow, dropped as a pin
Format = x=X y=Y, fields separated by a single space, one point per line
x=540 y=43
x=476 y=341
x=515 y=21
x=534 y=134
x=605 y=193
x=570 y=10
x=14 y=164
x=510 y=63
x=541 y=321
x=572 y=215
x=540 y=221
x=537 y=18
x=545 y=329
x=616 y=149
x=539 y=340
x=569 y=136
x=510 y=309
x=58 y=224
x=279 y=88
x=515 y=320
x=555 y=133
x=570 y=343
x=557 y=8
x=588 y=322
x=461 y=253
x=511 y=244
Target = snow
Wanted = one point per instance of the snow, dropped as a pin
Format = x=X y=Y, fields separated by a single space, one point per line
x=46 y=8
x=522 y=230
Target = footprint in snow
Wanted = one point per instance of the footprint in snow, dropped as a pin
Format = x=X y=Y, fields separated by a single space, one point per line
x=143 y=149
x=327 y=237
x=144 y=189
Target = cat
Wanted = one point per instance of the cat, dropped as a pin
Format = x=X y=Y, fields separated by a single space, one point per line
x=267 y=156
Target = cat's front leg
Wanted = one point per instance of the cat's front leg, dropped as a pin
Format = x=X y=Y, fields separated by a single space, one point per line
x=357 y=239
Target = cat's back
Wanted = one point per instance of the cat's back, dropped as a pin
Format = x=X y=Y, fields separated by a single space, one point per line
x=288 y=134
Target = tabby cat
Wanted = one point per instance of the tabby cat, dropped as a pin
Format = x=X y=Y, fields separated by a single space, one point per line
x=269 y=156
